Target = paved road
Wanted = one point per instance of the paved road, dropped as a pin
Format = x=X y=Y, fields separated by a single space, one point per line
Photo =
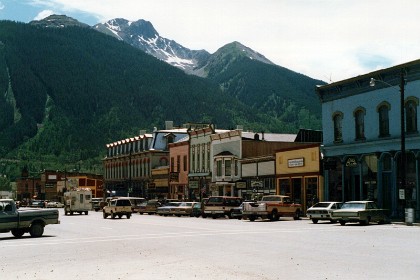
x=153 y=247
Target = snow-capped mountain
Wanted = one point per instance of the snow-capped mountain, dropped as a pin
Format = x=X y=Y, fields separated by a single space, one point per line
x=142 y=34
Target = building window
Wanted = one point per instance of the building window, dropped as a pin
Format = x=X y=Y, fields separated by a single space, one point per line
x=192 y=167
x=338 y=127
x=219 y=168
x=172 y=164
x=203 y=153
x=359 y=121
x=178 y=163
x=383 y=112
x=228 y=167
x=185 y=163
x=411 y=116
x=198 y=159
x=208 y=157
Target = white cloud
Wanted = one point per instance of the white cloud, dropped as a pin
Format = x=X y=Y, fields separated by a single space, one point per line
x=44 y=14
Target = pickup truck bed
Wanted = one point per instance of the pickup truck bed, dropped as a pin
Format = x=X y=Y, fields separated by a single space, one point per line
x=21 y=221
x=271 y=207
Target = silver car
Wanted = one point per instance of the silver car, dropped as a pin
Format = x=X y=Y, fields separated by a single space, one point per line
x=362 y=212
x=323 y=211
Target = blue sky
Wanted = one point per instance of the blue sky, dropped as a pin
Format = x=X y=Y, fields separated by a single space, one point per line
x=329 y=40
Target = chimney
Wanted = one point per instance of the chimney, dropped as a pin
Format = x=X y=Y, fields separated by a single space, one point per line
x=169 y=125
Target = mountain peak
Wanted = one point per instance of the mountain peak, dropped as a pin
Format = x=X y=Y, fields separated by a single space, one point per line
x=141 y=34
x=242 y=50
x=58 y=21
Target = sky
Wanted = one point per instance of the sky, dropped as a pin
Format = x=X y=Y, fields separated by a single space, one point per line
x=330 y=40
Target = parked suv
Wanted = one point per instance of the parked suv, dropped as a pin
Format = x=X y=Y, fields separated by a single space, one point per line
x=118 y=207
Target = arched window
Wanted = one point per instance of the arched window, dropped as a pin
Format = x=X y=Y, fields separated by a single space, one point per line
x=411 y=115
x=359 y=121
x=383 y=114
x=338 y=127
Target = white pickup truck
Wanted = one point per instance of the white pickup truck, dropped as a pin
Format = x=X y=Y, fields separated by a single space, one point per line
x=25 y=220
x=271 y=207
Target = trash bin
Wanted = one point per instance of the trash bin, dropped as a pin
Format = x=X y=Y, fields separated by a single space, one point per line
x=409 y=216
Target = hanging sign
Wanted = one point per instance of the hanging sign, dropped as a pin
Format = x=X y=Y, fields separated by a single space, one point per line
x=351 y=162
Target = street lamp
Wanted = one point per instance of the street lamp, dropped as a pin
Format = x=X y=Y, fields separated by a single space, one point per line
x=402 y=116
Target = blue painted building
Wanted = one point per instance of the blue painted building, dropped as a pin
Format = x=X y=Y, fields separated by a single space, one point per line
x=362 y=138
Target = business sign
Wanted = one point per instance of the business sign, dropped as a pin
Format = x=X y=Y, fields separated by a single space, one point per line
x=351 y=162
x=296 y=162
x=241 y=185
x=193 y=184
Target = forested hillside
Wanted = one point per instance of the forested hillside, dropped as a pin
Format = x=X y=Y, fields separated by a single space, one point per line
x=69 y=91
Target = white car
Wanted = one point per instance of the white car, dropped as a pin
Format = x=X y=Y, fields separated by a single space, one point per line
x=323 y=211
x=55 y=204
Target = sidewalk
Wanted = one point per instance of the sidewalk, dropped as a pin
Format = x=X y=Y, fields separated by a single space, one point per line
x=402 y=222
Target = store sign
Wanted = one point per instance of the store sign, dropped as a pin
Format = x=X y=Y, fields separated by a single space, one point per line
x=296 y=162
x=193 y=184
x=241 y=185
x=401 y=193
x=351 y=162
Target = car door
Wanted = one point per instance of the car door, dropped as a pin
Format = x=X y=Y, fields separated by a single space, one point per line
x=8 y=215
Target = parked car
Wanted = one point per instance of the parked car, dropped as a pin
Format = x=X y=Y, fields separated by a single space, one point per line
x=323 y=211
x=167 y=209
x=236 y=212
x=55 y=204
x=184 y=209
x=220 y=206
x=37 y=204
x=149 y=207
x=362 y=212
x=197 y=209
x=96 y=203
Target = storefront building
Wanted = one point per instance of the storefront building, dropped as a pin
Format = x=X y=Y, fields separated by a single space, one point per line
x=365 y=132
x=298 y=173
x=178 y=172
x=258 y=177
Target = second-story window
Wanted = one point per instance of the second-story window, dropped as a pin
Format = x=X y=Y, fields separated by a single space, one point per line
x=228 y=167
x=411 y=116
x=178 y=163
x=185 y=163
x=219 y=168
x=383 y=112
x=338 y=127
x=359 y=121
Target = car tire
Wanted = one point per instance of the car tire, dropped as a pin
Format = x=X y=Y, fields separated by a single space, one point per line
x=297 y=215
x=18 y=232
x=36 y=230
x=315 y=221
x=274 y=215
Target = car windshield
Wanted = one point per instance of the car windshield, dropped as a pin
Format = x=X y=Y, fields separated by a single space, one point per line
x=321 y=205
x=353 y=205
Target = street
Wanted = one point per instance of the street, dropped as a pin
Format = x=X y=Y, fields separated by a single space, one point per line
x=154 y=247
